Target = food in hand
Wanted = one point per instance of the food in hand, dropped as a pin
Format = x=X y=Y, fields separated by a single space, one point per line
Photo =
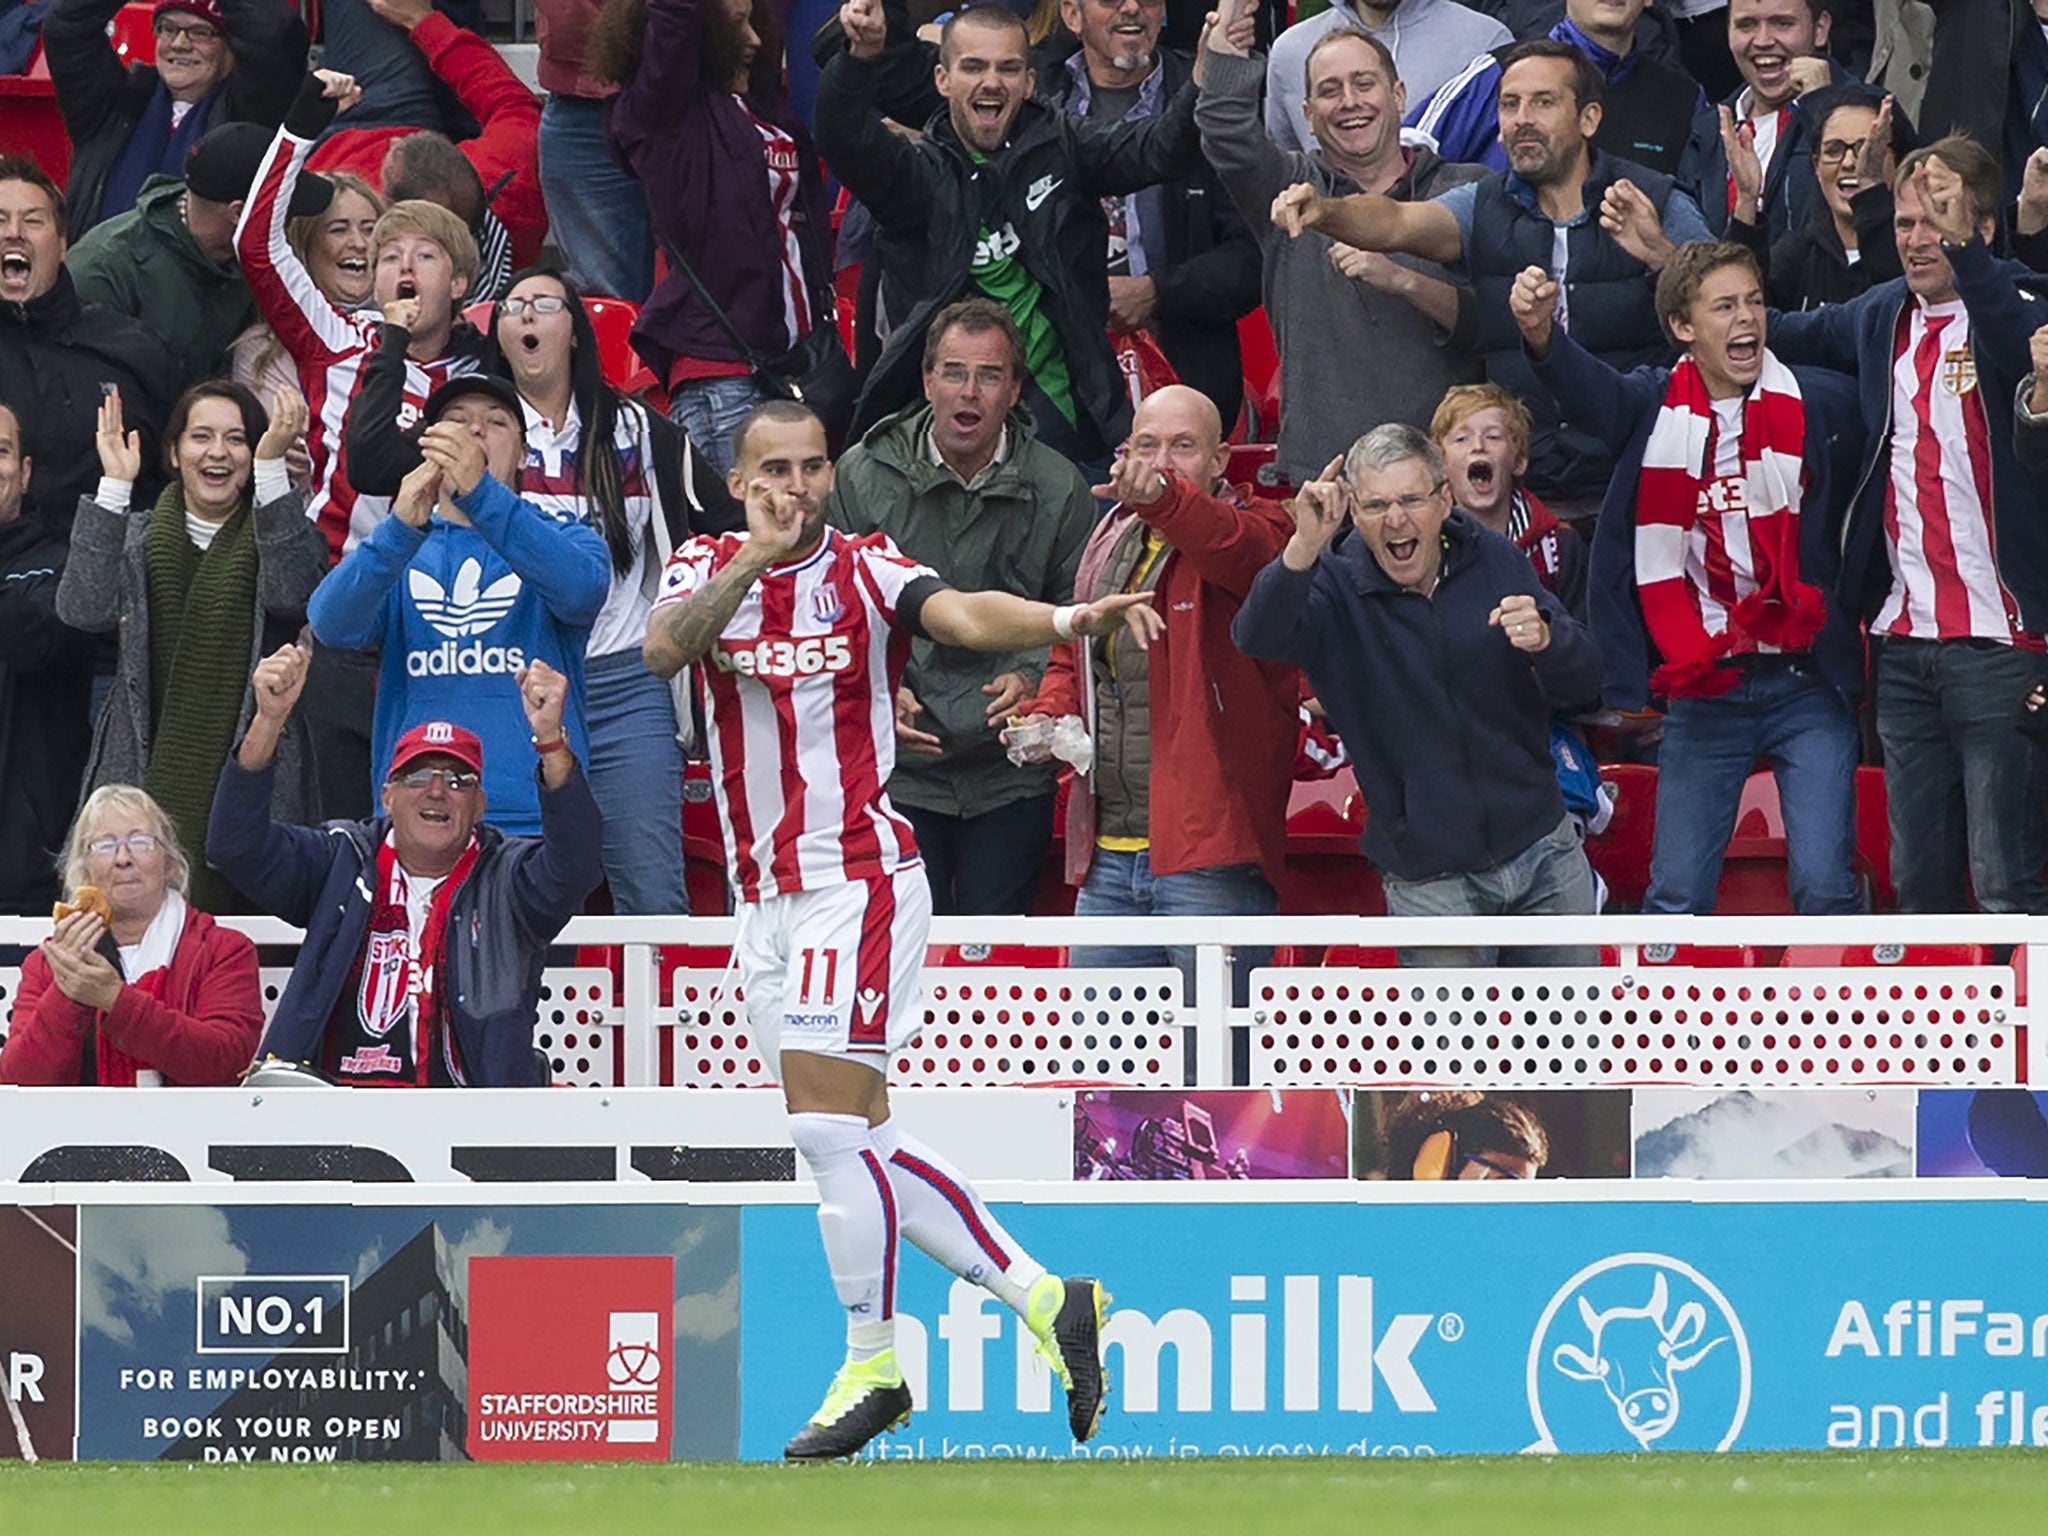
x=87 y=898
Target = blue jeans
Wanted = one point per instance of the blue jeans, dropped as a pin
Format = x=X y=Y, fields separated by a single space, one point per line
x=1803 y=729
x=1964 y=788
x=1123 y=885
x=1550 y=876
x=709 y=410
x=400 y=89
x=597 y=213
x=636 y=773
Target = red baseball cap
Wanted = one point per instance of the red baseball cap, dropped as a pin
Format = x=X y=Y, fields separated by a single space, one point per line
x=437 y=738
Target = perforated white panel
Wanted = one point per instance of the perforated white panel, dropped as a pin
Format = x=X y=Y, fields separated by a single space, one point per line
x=579 y=1026
x=1571 y=1028
x=272 y=979
x=984 y=1026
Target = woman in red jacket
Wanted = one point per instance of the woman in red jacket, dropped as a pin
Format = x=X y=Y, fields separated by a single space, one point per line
x=163 y=994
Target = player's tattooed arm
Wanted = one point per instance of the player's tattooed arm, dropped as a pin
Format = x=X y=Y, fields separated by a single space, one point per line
x=680 y=634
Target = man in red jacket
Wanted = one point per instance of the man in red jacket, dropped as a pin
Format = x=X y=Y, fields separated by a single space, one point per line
x=501 y=201
x=1184 y=811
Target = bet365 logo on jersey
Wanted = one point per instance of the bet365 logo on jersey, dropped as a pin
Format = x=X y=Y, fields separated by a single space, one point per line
x=785 y=658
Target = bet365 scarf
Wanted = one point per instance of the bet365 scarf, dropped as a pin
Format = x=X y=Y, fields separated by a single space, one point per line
x=1745 y=591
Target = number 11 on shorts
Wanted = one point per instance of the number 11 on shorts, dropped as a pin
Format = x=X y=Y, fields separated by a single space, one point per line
x=814 y=972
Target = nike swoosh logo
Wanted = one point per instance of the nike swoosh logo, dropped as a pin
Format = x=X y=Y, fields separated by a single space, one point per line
x=1040 y=191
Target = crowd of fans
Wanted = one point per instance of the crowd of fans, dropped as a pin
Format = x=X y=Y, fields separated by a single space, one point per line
x=1677 y=366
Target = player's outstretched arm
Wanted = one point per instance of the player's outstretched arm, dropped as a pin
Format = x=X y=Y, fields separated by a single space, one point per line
x=996 y=621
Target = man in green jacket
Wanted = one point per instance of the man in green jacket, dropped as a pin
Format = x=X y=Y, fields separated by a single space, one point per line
x=169 y=262
x=962 y=484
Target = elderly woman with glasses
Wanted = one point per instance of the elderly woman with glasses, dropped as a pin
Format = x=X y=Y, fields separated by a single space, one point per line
x=156 y=994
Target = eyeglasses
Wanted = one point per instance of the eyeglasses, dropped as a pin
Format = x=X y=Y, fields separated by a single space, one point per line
x=541 y=304
x=1841 y=149
x=140 y=844
x=170 y=31
x=958 y=374
x=1409 y=505
x=448 y=778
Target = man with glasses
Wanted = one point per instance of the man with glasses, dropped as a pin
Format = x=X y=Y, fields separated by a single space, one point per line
x=963 y=484
x=217 y=61
x=1439 y=657
x=463 y=585
x=425 y=928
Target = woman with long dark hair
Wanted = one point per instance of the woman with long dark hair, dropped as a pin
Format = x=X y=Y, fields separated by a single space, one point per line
x=644 y=493
x=733 y=189
x=199 y=587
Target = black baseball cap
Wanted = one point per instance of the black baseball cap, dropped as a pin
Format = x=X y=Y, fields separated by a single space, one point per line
x=496 y=386
x=223 y=164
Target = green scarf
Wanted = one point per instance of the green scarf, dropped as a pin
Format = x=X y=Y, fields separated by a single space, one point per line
x=202 y=611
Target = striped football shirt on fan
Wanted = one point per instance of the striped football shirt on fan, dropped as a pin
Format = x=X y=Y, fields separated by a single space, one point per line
x=326 y=345
x=1937 y=522
x=779 y=150
x=799 y=697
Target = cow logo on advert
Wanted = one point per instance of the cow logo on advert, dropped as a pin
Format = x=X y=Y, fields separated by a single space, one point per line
x=1638 y=1352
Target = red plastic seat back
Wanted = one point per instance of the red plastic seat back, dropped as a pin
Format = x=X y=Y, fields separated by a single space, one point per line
x=134 y=35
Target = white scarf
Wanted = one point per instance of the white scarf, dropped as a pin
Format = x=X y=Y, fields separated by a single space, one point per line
x=159 y=941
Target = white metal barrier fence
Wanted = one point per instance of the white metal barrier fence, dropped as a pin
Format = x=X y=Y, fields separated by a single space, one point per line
x=646 y=1022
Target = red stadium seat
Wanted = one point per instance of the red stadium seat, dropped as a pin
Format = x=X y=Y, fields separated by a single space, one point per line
x=1622 y=853
x=1254 y=464
x=1886 y=954
x=613 y=321
x=29 y=121
x=1144 y=366
x=1373 y=956
x=1325 y=815
x=1753 y=874
x=1261 y=377
x=1325 y=870
x=134 y=35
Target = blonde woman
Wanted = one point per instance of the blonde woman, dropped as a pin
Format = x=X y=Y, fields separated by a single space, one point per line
x=152 y=992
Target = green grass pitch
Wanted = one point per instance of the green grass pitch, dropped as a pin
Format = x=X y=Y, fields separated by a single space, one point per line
x=1850 y=1493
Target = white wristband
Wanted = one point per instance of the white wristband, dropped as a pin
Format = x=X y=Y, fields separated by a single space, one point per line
x=1063 y=621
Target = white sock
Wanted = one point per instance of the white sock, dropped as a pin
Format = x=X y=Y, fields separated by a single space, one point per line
x=941 y=1213
x=857 y=1219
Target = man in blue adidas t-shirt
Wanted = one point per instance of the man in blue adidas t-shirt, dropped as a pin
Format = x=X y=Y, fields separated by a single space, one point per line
x=463 y=585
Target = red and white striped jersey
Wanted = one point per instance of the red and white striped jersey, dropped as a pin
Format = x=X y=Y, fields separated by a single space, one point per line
x=799 y=697
x=779 y=151
x=1937 y=522
x=550 y=478
x=327 y=345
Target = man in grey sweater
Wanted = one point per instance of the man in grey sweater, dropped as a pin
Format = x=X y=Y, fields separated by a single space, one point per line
x=1363 y=338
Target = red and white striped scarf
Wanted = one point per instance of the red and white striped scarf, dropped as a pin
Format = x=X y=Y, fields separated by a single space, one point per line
x=1715 y=582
